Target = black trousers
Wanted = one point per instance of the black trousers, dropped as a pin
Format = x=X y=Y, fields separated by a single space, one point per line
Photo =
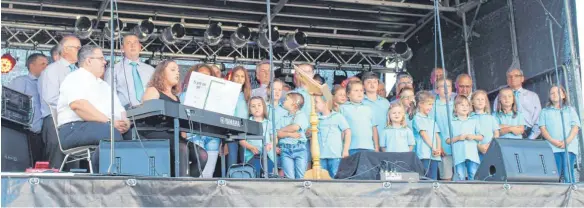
x=51 y=152
x=36 y=147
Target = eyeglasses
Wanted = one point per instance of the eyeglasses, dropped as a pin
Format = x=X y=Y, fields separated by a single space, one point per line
x=405 y=83
x=514 y=76
x=99 y=58
x=75 y=47
x=464 y=86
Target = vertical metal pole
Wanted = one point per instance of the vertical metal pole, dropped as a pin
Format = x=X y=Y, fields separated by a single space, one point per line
x=466 y=47
x=575 y=69
x=112 y=55
x=271 y=57
x=512 y=29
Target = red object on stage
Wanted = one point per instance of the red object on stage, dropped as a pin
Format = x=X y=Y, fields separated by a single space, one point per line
x=41 y=167
x=8 y=63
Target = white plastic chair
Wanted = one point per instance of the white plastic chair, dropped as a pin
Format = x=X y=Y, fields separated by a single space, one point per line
x=76 y=153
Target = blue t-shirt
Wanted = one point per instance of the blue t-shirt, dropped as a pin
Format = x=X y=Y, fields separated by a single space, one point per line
x=267 y=128
x=550 y=117
x=361 y=121
x=279 y=112
x=440 y=114
x=241 y=109
x=465 y=149
x=425 y=123
x=330 y=131
x=299 y=119
x=381 y=107
x=509 y=119
x=397 y=139
x=307 y=107
x=487 y=126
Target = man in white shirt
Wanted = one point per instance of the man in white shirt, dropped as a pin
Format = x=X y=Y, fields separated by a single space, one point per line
x=84 y=107
x=464 y=85
x=131 y=76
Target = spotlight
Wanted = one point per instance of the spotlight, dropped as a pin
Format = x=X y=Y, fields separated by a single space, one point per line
x=263 y=40
x=117 y=28
x=213 y=34
x=171 y=34
x=83 y=27
x=295 y=40
x=8 y=63
x=240 y=37
x=402 y=50
x=144 y=29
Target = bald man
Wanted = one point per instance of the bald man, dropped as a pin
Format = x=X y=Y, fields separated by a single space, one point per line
x=464 y=85
x=49 y=83
x=437 y=74
x=130 y=75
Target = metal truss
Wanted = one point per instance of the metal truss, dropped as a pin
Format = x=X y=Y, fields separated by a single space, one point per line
x=37 y=37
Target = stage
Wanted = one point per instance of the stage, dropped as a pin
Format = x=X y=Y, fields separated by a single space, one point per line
x=75 y=190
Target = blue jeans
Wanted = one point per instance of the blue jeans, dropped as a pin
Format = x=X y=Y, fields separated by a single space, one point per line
x=331 y=165
x=431 y=167
x=561 y=163
x=256 y=162
x=355 y=151
x=293 y=160
x=466 y=168
x=208 y=143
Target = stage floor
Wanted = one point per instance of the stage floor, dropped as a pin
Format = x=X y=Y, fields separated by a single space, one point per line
x=79 y=190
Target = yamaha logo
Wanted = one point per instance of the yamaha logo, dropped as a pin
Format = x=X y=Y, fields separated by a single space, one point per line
x=230 y=122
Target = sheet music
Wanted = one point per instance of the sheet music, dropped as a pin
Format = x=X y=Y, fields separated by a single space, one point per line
x=212 y=94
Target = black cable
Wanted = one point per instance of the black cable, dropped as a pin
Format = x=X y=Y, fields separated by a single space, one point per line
x=142 y=144
x=190 y=121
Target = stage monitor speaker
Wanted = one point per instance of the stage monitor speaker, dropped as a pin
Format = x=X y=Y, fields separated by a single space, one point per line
x=15 y=150
x=367 y=165
x=518 y=160
x=136 y=157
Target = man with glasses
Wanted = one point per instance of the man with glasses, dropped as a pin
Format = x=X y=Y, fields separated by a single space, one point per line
x=464 y=85
x=48 y=87
x=527 y=102
x=84 y=106
x=403 y=80
x=130 y=75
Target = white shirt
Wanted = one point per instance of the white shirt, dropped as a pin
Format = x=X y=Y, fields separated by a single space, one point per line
x=124 y=80
x=83 y=85
x=261 y=91
x=49 y=82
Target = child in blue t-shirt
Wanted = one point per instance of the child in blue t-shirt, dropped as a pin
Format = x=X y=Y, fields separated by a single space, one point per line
x=364 y=135
x=465 y=138
x=442 y=114
x=397 y=136
x=428 y=144
x=292 y=137
x=488 y=126
x=334 y=136
x=253 y=148
x=406 y=98
x=560 y=134
x=509 y=118
x=274 y=104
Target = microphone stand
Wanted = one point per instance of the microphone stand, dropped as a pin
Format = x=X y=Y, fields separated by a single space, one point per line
x=273 y=110
x=112 y=87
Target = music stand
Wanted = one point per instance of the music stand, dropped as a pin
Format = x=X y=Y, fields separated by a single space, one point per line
x=315 y=89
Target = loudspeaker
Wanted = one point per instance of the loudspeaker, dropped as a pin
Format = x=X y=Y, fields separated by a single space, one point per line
x=15 y=150
x=136 y=157
x=367 y=165
x=518 y=160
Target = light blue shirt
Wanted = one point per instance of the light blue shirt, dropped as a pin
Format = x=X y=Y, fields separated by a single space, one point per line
x=465 y=149
x=124 y=80
x=261 y=91
x=299 y=119
x=279 y=112
x=361 y=121
x=267 y=128
x=530 y=106
x=307 y=107
x=487 y=126
x=28 y=84
x=49 y=84
x=441 y=115
x=241 y=109
x=380 y=106
x=427 y=124
x=550 y=117
x=397 y=139
x=509 y=119
x=330 y=131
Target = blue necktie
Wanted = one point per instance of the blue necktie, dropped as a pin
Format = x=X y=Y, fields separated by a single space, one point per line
x=138 y=86
x=72 y=68
x=517 y=98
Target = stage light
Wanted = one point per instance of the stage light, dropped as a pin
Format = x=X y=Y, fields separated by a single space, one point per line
x=117 y=28
x=8 y=63
x=402 y=50
x=83 y=27
x=213 y=34
x=263 y=40
x=294 y=40
x=240 y=37
x=171 y=34
x=144 y=29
